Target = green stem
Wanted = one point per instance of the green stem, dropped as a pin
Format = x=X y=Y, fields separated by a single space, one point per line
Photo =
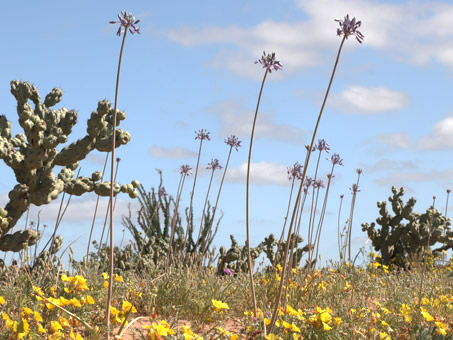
x=203 y=213
x=277 y=302
x=351 y=215
x=112 y=182
x=217 y=201
x=189 y=221
x=249 y=257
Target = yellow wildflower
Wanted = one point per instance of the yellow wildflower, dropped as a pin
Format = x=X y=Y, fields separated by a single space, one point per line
x=2 y=300
x=41 y=329
x=128 y=306
x=425 y=301
x=384 y=336
x=326 y=327
x=64 y=322
x=118 y=278
x=55 y=326
x=37 y=317
x=189 y=335
x=219 y=305
x=75 y=302
x=426 y=315
x=272 y=336
x=441 y=328
x=76 y=336
x=88 y=300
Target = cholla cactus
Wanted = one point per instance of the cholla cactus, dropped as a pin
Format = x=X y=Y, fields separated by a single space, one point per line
x=33 y=155
x=235 y=258
x=398 y=242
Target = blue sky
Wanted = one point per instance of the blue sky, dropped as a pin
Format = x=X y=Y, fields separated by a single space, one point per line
x=389 y=112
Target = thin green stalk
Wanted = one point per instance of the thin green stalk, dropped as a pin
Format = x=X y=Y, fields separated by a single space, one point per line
x=217 y=199
x=189 y=220
x=204 y=210
x=311 y=243
x=351 y=214
x=284 y=225
x=95 y=211
x=323 y=213
x=313 y=213
x=106 y=218
x=175 y=214
x=112 y=186
x=339 y=219
x=249 y=255
x=279 y=296
x=446 y=209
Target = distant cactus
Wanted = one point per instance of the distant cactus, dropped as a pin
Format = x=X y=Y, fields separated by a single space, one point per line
x=33 y=155
x=235 y=258
x=151 y=230
x=400 y=243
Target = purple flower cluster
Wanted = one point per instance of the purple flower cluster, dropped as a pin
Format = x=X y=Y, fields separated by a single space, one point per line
x=126 y=21
x=295 y=171
x=307 y=183
x=349 y=27
x=202 y=134
x=308 y=147
x=269 y=63
x=322 y=145
x=336 y=159
x=354 y=189
x=162 y=192
x=214 y=165
x=185 y=170
x=318 y=184
x=233 y=141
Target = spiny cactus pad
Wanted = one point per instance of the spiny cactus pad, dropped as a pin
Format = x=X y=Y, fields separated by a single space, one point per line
x=400 y=243
x=34 y=154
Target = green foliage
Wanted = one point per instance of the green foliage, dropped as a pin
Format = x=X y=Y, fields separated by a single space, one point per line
x=236 y=257
x=151 y=230
x=34 y=154
x=399 y=242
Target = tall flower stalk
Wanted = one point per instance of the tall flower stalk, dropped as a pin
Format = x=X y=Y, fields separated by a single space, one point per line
x=446 y=209
x=354 y=191
x=347 y=28
x=185 y=171
x=202 y=134
x=335 y=159
x=127 y=23
x=294 y=172
x=269 y=63
x=232 y=142
x=340 y=235
x=321 y=146
x=213 y=166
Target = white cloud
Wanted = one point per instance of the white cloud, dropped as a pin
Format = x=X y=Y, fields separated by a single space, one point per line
x=175 y=153
x=399 y=178
x=80 y=209
x=440 y=138
x=389 y=164
x=369 y=100
x=261 y=173
x=96 y=158
x=395 y=140
x=423 y=36
x=290 y=42
x=238 y=121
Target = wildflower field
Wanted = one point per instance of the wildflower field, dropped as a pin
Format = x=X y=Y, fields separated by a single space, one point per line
x=170 y=281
